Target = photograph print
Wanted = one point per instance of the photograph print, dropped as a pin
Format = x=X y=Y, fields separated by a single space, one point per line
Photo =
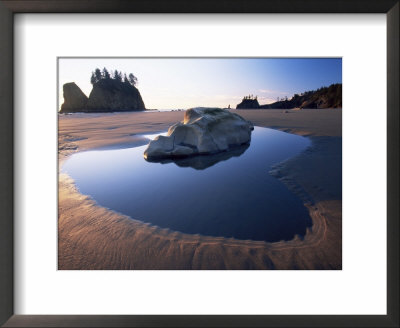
x=199 y=163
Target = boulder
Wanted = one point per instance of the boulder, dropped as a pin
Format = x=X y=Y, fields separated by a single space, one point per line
x=203 y=131
x=74 y=99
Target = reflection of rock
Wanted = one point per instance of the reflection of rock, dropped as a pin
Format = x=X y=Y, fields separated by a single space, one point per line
x=203 y=131
x=202 y=162
x=74 y=99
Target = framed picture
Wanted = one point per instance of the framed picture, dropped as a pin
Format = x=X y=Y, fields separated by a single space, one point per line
x=197 y=155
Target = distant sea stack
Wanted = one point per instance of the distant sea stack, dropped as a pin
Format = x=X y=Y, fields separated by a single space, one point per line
x=248 y=102
x=74 y=99
x=109 y=94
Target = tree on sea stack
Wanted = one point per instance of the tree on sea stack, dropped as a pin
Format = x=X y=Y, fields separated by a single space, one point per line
x=106 y=74
x=117 y=76
x=97 y=74
x=93 y=78
x=132 y=79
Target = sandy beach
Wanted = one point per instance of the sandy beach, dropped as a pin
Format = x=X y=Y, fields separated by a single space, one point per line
x=93 y=237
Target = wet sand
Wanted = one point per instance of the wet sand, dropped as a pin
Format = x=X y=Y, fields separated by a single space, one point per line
x=92 y=237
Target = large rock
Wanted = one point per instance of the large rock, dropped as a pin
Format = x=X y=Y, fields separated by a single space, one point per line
x=203 y=131
x=110 y=95
x=74 y=99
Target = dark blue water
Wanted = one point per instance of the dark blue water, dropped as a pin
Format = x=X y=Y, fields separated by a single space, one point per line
x=230 y=194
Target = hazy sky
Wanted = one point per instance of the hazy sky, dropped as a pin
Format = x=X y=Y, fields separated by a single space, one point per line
x=172 y=83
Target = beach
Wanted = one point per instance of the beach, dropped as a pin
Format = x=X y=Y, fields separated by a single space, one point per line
x=93 y=237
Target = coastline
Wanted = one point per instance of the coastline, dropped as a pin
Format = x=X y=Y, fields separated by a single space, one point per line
x=92 y=237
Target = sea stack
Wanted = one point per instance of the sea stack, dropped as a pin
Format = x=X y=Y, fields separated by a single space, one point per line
x=109 y=95
x=203 y=131
x=74 y=99
x=248 y=103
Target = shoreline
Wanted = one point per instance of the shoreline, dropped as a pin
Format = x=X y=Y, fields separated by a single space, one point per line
x=132 y=244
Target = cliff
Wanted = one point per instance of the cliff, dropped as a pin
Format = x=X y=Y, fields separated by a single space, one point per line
x=107 y=95
x=74 y=99
x=326 y=97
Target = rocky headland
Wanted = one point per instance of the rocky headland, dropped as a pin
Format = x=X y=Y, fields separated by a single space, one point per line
x=325 y=97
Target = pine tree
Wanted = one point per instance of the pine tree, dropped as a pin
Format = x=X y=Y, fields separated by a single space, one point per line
x=106 y=74
x=93 y=78
x=97 y=74
x=117 y=76
x=132 y=79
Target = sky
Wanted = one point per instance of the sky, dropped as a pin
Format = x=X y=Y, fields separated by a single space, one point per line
x=181 y=83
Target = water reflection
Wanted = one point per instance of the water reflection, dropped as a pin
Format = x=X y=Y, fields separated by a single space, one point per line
x=229 y=194
x=201 y=162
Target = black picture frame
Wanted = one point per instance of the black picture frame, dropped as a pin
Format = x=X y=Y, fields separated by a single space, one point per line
x=10 y=7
